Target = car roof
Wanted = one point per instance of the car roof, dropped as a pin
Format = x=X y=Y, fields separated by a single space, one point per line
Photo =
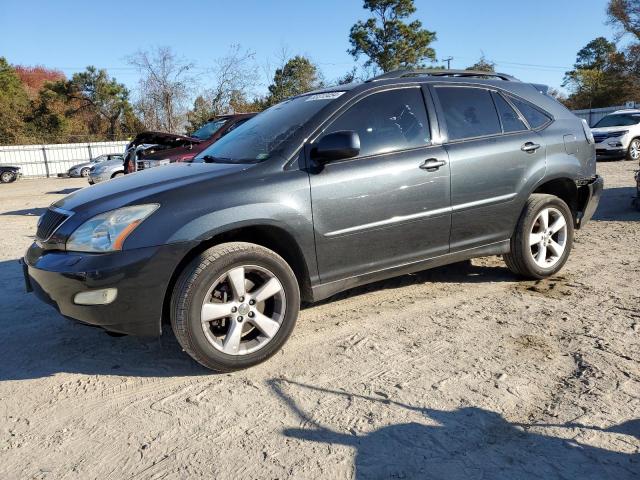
x=626 y=110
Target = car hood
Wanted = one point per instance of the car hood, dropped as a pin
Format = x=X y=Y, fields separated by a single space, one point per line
x=136 y=187
x=595 y=130
x=107 y=165
x=161 y=138
x=82 y=165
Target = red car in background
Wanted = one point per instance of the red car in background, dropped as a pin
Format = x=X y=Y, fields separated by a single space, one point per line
x=153 y=149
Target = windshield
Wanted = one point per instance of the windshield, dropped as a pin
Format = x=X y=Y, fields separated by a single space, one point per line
x=208 y=129
x=619 y=120
x=263 y=135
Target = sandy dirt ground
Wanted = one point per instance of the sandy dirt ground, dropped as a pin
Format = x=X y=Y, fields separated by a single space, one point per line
x=461 y=372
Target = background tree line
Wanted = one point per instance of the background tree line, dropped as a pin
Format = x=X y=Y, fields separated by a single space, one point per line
x=40 y=105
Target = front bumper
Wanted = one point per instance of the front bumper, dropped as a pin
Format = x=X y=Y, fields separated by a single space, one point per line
x=141 y=277
x=609 y=152
x=98 y=178
x=590 y=195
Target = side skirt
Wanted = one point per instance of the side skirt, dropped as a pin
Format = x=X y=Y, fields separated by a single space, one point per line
x=325 y=290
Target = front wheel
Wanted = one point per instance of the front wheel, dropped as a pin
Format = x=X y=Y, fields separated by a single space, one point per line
x=543 y=238
x=234 y=306
x=7 y=177
x=84 y=172
x=633 y=153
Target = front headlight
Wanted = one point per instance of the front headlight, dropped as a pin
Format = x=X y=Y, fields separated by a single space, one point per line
x=108 y=231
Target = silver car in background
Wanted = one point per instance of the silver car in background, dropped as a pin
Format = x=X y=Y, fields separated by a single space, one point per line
x=82 y=169
x=106 y=170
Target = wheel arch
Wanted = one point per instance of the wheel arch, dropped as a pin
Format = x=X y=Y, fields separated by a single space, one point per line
x=267 y=235
x=564 y=188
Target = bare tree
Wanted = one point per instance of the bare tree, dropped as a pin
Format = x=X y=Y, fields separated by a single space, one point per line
x=165 y=87
x=235 y=76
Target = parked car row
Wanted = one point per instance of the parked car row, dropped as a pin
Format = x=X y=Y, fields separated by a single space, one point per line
x=321 y=193
x=154 y=149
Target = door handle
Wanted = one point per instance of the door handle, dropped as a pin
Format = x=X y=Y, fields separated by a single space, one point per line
x=530 y=147
x=432 y=164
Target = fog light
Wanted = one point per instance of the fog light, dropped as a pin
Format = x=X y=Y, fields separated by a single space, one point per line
x=96 y=297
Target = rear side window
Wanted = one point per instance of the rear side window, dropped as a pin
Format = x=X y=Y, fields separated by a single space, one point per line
x=468 y=112
x=387 y=121
x=534 y=116
x=511 y=121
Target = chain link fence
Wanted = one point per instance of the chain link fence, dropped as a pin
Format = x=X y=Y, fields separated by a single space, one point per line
x=51 y=160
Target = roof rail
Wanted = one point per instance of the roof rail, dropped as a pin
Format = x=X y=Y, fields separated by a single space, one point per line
x=442 y=73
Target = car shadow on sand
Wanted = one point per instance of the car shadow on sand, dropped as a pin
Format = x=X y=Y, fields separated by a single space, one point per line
x=27 y=212
x=461 y=272
x=64 y=191
x=615 y=205
x=36 y=341
x=466 y=443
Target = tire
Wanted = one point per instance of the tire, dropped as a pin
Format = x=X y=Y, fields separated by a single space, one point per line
x=207 y=280
x=7 y=177
x=537 y=260
x=84 y=173
x=633 y=152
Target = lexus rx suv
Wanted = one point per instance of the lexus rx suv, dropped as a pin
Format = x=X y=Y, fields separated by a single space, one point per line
x=618 y=135
x=321 y=193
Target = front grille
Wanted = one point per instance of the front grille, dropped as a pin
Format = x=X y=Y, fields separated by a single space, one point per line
x=49 y=223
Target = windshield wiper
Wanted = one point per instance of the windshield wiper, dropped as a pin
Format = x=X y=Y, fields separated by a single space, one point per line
x=212 y=159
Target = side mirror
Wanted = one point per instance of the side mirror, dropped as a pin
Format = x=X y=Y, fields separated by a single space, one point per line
x=336 y=146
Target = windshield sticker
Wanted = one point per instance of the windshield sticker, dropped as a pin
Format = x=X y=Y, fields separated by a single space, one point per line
x=323 y=96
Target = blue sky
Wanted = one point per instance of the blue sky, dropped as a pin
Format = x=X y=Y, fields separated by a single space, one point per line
x=535 y=41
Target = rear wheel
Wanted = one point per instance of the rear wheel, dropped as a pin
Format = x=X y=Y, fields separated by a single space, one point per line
x=7 y=177
x=633 y=153
x=234 y=306
x=543 y=238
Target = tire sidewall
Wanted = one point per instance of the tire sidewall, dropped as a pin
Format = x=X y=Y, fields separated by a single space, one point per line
x=629 y=157
x=537 y=270
x=84 y=173
x=203 y=281
x=7 y=177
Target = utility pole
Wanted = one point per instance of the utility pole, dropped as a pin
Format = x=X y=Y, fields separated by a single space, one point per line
x=448 y=60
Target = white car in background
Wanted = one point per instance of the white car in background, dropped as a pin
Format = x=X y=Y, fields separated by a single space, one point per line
x=618 y=135
x=106 y=171
x=82 y=169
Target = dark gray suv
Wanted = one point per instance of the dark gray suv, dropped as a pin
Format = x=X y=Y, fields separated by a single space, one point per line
x=321 y=193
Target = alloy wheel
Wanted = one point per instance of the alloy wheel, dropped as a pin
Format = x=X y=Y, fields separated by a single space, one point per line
x=6 y=177
x=548 y=237
x=243 y=310
x=634 y=150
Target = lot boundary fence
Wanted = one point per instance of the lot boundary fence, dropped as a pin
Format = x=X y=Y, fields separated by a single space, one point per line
x=50 y=160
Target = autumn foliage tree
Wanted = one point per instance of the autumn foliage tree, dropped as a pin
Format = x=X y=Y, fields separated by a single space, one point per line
x=34 y=78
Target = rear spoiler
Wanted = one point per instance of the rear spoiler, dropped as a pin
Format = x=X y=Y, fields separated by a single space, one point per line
x=544 y=89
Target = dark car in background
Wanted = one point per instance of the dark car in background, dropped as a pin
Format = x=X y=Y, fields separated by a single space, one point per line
x=318 y=194
x=9 y=174
x=154 y=149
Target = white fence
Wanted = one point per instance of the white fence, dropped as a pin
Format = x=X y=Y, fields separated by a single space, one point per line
x=50 y=160
x=593 y=116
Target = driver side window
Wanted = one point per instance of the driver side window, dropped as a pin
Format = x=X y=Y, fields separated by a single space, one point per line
x=386 y=122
